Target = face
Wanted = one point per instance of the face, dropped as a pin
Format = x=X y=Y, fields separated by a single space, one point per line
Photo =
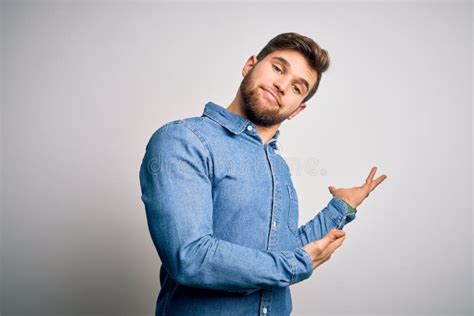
x=287 y=76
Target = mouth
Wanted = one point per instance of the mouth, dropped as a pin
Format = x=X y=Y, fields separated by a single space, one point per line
x=271 y=96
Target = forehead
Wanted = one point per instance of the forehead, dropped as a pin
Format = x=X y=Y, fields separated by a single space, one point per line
x=298 y=64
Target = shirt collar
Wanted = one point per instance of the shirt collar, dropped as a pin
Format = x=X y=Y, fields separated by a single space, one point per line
x=233 y=122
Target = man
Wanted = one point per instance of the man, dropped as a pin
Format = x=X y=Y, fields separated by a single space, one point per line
x=220 y=203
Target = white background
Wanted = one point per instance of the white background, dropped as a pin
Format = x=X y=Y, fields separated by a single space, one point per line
x=86 y=83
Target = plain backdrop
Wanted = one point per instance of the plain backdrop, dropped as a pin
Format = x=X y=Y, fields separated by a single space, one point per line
x=85 y=83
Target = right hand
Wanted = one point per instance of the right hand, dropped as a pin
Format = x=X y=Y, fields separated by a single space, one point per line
x=322 y=249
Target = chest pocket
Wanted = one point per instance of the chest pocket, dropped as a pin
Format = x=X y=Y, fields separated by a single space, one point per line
x=292 y=209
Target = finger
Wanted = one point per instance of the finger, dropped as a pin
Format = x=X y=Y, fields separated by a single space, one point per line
x=337 y=243
x=318 y=263
x=337 y=233
x=371 y=175
x=330 y=237
x=377 y=181
x=332 y=247
x=331 y=189
x=329 y=251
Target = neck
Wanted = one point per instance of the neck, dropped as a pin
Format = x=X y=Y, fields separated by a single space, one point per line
x=265 y=132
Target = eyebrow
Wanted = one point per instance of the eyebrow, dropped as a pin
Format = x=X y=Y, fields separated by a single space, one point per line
x=287 y=64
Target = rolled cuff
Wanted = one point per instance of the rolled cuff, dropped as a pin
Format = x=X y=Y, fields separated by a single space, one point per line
x=339 y=212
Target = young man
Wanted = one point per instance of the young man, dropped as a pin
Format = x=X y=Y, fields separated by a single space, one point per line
x=220 y=203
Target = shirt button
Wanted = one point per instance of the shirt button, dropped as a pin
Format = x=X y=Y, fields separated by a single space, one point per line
x=264 y=310
x=274 y=224
x=249 y=128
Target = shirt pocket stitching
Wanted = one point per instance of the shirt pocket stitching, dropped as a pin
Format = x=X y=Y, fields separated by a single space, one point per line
x=292 y=209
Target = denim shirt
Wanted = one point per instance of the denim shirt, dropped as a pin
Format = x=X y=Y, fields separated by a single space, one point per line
x=222 y=212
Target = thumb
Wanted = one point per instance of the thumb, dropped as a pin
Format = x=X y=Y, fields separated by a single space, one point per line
x=336 y=233
x=331 y=189
x=331 y=236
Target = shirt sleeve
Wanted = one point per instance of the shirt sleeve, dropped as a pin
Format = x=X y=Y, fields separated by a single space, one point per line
x=336 y=214
x=176 y=186
x=350 y=209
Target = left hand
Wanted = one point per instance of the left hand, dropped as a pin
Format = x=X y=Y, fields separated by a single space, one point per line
x=354 y=196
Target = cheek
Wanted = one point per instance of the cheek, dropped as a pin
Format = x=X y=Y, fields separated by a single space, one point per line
x=264 y=78
x=291 y=108
x=291 y=101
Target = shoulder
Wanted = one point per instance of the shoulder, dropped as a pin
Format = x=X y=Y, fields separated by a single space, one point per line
x=177 y=144
x=178 y=133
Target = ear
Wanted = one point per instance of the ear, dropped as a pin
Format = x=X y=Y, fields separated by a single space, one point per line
x=300 y=108
x=249 y=65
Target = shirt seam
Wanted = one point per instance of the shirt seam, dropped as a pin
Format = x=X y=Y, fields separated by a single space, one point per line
x=290 y=258
x=206 y=146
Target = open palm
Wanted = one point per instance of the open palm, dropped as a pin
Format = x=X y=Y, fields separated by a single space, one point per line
x=354 y=196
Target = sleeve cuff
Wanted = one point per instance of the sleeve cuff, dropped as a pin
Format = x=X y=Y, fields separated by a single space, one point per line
x=340 y=213
x=350 y=209
x=301 y=265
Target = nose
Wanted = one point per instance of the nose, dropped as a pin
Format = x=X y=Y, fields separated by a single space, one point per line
x=282 y=84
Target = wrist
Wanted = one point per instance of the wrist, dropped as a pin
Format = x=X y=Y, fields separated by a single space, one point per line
x=351 y=205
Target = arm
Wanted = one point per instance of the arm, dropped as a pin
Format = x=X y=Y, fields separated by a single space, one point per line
x=335 y=215
x=340 y=210
x=175 y=178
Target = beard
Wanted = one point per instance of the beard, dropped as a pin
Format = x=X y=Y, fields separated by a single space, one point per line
x=256 y=112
